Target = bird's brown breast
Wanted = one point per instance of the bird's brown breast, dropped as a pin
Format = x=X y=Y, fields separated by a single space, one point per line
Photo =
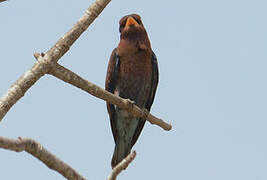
x=134 y=73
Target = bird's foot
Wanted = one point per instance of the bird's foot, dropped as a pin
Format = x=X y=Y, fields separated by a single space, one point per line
x=130 y=104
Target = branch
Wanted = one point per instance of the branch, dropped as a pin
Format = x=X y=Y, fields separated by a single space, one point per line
x=45 y=63
x=70 y=77
x=36 y=149
x=2 y=1
x=121 y=166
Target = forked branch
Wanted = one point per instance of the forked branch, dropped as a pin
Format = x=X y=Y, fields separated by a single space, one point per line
x=41 y=67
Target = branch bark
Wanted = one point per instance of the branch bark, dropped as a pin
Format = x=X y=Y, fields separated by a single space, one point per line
x=41 y=67
x=122 y=166
x=70 y=77
x=38 y=151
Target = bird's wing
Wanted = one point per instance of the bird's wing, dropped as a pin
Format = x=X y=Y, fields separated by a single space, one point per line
x=155 y=80
x=110 y=85
x=154 y=84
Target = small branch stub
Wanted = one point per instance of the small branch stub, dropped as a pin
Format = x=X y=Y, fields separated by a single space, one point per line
x=121 y=166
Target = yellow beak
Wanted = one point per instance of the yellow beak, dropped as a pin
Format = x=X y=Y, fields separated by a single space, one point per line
x=131 y=21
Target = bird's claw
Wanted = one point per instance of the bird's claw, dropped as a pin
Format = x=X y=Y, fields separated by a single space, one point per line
x=130 y=103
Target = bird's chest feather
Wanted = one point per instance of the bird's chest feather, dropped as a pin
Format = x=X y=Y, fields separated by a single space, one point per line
x=135 y=77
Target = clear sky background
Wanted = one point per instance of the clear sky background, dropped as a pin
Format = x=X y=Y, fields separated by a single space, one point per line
x=212 y=60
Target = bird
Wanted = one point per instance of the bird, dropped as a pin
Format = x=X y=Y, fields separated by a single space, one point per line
x=132 y=74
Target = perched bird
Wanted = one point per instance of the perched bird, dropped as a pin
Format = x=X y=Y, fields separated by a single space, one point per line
x=132 y=74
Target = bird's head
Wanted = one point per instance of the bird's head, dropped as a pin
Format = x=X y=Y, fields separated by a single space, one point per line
x=132 y=28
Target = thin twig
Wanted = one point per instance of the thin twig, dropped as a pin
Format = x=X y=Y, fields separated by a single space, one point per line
x=38 y=151
x=44 y=63
x=70 y=77
x=121 y=166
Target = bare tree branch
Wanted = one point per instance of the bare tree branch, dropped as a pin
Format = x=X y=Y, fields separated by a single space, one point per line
x=40 y=68
x=38 y=151
x=2 y=1
x=70 y=77
x=121 y=166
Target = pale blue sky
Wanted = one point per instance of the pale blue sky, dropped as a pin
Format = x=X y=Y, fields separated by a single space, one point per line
x=212 y=59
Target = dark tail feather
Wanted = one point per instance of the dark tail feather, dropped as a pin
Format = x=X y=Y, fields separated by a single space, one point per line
x=122 y=149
